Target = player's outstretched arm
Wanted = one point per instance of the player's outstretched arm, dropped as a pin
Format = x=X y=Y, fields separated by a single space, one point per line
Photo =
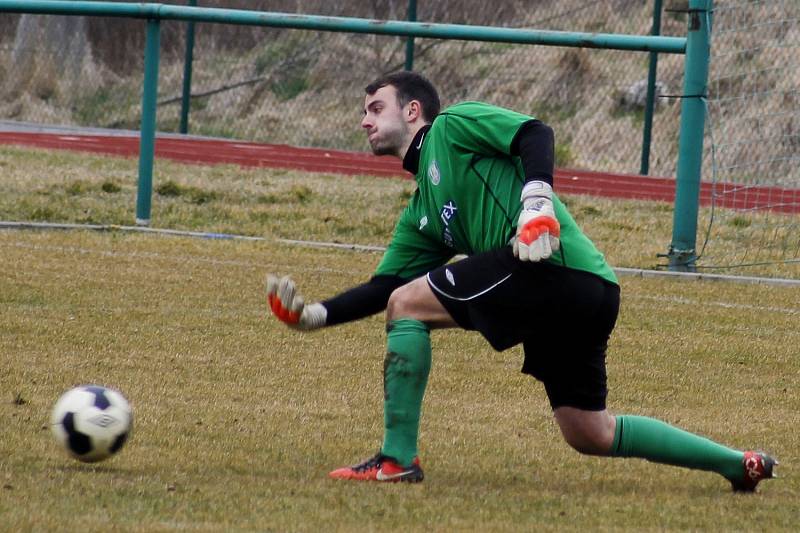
x=289 y=307
x=358 y=302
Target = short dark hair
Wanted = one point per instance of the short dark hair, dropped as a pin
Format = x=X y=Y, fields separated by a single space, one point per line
x=410 y=86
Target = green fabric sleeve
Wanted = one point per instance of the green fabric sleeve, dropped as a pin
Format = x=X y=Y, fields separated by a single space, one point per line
x=481 y=128
x=411 y=253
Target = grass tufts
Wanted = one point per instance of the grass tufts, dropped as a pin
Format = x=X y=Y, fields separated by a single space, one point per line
x=76 y=188
x=200 y=197
x=740 y=222
x=301 y=193
x=169 y=189
x=42 y=214
x=110 y=187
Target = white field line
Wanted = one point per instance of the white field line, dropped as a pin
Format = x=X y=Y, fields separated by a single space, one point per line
x=726 y=305
x=697 y=276
x=180 y=259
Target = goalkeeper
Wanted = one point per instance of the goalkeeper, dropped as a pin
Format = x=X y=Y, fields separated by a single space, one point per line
x=485 y=189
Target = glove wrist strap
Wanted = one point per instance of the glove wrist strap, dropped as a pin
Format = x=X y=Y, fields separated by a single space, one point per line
x=536 y=189
x=314 y=316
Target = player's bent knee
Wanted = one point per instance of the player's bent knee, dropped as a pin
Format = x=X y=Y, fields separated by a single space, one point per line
x=588 y=444
x=415 y=300
x=587 y=433
x=400 y=304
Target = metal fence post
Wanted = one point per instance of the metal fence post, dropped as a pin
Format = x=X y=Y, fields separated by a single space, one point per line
x=186 y=97
x=682 y=251
x=644 y=169
x=148 y=126
x=412 y=17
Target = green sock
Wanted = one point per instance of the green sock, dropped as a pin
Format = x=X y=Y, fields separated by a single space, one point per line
x=651 y=439
x=405 y=374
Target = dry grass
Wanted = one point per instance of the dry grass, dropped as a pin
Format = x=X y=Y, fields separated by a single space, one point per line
x=288 y=204
x=238 y=419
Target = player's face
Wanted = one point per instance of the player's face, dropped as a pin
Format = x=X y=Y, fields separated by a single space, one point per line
x=384 y=122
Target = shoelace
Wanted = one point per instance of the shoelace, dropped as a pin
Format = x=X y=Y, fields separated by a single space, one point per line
x=373 y=462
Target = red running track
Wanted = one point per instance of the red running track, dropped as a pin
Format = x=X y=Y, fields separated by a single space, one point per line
x=249 y=154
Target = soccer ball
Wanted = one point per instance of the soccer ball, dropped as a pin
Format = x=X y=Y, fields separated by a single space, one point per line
x=91 y=422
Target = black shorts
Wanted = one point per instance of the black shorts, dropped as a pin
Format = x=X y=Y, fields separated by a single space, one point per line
x=562 y=317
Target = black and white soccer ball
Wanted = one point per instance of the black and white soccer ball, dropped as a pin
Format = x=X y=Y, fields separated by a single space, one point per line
x=92 y=422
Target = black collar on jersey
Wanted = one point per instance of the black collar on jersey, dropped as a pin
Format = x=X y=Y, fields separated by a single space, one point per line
x=411 y=160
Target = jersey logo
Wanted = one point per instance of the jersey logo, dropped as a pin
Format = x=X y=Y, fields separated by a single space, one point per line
x=450 y=277
x=423 y=222
x=447 y=214
x=433 y=173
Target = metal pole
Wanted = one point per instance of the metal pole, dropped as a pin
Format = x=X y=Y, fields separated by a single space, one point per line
x=186 y=97
x=148 y=127
x=412 y=17
x=651 y=93
x=682 y=251
x=641 y=43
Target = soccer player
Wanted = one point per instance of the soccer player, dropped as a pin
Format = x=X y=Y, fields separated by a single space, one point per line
x=485 y=190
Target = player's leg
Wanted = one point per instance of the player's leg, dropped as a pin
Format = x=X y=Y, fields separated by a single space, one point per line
x=575 y=382
x=411 y=313
x=446 y=297
x=588 y=432
x=416 y=300
x=599 y=433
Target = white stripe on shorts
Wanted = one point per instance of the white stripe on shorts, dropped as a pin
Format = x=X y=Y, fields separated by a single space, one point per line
x=443 y=293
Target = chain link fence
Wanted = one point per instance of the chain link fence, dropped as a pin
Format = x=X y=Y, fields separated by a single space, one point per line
x=305 y=88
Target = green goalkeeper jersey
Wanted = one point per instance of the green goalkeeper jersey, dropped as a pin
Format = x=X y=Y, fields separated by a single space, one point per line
x=468 y=196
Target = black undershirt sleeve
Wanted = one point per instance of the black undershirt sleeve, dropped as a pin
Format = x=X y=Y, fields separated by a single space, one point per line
x=535 y=146
x=363 y=300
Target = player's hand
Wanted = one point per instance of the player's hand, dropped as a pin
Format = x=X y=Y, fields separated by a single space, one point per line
x=537 y=228
x=290 y=308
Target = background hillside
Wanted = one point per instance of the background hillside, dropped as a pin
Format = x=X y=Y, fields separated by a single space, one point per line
x=305 y=88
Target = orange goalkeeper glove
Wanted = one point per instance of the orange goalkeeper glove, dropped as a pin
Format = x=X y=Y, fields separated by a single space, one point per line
x=537 y=228
x=290 y=308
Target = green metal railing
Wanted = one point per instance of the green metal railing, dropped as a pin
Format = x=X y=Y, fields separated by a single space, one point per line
x=694 y=46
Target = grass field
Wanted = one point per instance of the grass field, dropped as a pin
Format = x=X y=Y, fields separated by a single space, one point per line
x=238 y=419
x=46 y=186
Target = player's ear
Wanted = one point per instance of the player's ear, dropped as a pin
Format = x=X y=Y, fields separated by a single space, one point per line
x=414 y=110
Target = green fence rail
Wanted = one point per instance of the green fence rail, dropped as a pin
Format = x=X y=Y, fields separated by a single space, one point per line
x=694 y=47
